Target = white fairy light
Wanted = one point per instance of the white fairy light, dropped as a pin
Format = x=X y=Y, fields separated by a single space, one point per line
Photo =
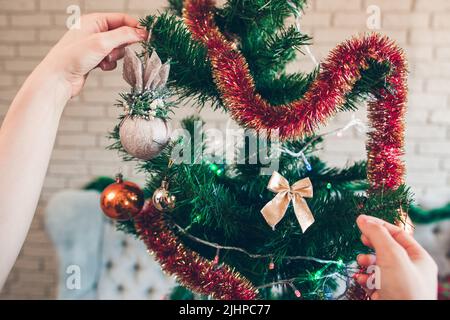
x=298 y=16
x=353 y=123
x=219 y=247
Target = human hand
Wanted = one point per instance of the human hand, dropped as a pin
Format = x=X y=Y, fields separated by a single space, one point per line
x=100 y=42
x=406 y=270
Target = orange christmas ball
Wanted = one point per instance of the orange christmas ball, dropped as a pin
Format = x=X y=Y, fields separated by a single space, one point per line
x=122 y=200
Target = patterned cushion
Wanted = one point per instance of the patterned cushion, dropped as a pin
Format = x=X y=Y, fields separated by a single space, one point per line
x=128 y=271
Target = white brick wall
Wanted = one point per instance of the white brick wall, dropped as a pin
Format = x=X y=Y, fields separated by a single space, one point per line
x=28 y=28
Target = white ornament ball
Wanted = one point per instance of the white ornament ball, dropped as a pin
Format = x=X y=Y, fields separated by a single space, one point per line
x=144 y=139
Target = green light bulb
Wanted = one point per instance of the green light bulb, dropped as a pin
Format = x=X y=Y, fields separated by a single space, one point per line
x=317 y=275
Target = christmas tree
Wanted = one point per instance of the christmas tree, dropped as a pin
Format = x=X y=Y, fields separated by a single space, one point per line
x=216 y=225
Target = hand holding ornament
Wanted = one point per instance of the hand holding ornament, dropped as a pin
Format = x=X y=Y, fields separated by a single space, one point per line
x=405 y=271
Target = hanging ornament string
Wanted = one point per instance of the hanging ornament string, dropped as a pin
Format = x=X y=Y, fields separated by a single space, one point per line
x=327 y=93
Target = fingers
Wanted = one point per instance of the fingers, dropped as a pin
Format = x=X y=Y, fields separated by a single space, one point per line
x=402 y=237
x=102 y=22
x=103 y=49
x=362 y=279
x=366 y=241
x=106 y=42
x=110 y=62
x=117 y=20
x=375 y=295
x=377 y=235
x=108 y=66
x=412 y=247
x=121 y=36
x=115 y=55
x=365 y=260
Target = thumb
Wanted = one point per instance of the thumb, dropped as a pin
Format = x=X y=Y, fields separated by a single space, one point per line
x=380 y=238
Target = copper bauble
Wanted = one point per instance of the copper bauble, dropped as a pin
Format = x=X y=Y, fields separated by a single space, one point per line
x=162 y=199
x=144 y=139
x=122 y=200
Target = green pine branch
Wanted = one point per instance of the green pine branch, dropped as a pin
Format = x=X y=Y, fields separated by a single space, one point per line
x=221 y=203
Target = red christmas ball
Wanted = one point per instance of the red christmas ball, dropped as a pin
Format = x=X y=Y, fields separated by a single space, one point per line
x=122 y=200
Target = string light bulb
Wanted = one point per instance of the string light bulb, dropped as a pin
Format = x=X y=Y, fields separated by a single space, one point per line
x=218 y=170
x=271 y=265
x=216 y=258
x=306 y=162
x=297 y=292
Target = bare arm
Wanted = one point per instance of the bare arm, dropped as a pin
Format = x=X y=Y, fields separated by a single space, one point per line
x=29 y=129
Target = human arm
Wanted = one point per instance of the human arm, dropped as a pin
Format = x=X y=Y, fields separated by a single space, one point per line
x=29 y=129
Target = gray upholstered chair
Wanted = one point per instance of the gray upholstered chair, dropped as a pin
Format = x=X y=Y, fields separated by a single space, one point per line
x=111 y=265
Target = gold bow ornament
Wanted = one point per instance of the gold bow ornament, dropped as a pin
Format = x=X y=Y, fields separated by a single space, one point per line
x=275 y=209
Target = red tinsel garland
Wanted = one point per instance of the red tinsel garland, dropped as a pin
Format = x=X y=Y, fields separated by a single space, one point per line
x=338 y=75
x=192 y=271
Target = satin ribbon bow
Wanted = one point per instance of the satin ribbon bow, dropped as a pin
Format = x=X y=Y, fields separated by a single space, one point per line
x=275 y=209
